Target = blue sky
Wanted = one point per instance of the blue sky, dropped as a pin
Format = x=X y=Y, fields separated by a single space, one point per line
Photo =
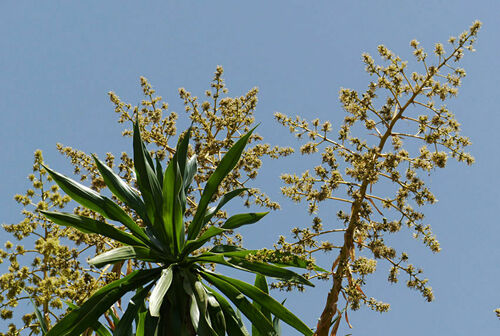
x=59 y=59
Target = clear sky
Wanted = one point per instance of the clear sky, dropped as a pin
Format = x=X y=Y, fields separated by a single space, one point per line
x=59 y=59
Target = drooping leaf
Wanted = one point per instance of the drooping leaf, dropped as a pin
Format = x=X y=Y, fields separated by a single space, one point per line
x=125 y=253
x=265 y=301
x=160 y=290
x=214 y=310
x=269 y=270
x=194 y=309
x=94 y=201
x=202 y=299
x=256 y=267
x=238 y=220
x=234 y=324
x=89 y=225
x=237 y=297
x=87 y=314
x=277 y=326
x=227 y=163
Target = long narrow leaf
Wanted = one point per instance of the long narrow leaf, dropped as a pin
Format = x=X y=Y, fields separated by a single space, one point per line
x=179 y=209
x=290 y=260
x=236 y=296
x=181 y=151
x=234 y=325
x=148 y=183
x=160 y=290
x=252 y=266
x=192 y=245
x=89 y=225
x=40 y=318
x=261 y=283
x=228 y=248
x=124 y=327
x=270 y=270
x=223 y=200
x=94 y=201
x=238 y=220
x=265 y=301
x=190 y=171
x=214 y=310
x=205 y=326
x=83 y=317
x=169 y=202
x=97 y=326
x=159 y=172
x=121 y=189
x=124 y=253
x=227 y=163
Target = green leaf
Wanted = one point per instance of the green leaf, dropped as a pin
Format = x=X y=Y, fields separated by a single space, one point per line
x=251 y=266
x=124 y=327
x=292 y=260
x=89 y=225
x=269 y=270
x=192 y=245
x=238 y=220
x=261 y=283
x=179 y=209
x=265 y=301
x=125 y=253
x=148 y=183
x=199 y=305
x=190 y=172
x=181 y=151
x=277 y=325
x=194 y=310
x=83 y=317
x=227 y=163
x=237 y=297
x=169 y=202
x=94 y=201
x=159 y=171
x=161 y=288
x=39 y=316
x=121 y=189
x=223 y=200
x=97 y=326
x=146 y=324
x=227 y=248
x=234 y=325
x=216 y=315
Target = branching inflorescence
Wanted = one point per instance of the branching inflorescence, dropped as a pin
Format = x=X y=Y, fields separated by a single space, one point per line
x=397 y=108
x=57 y=271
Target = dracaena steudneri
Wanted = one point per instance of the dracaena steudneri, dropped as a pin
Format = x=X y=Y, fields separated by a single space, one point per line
x=185 y=296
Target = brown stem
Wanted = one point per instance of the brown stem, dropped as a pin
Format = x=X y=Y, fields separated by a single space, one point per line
x=347 y=249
